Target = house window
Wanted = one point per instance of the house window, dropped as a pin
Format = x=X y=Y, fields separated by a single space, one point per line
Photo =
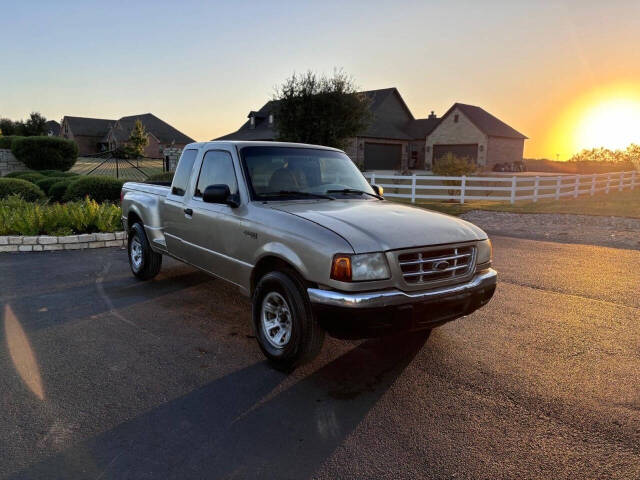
x=482 y=148
x=271 y=119
x=456 y=118
x=428 y=149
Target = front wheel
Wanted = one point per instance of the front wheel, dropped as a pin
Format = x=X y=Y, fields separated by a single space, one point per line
x=144 y=262
x=286 y=330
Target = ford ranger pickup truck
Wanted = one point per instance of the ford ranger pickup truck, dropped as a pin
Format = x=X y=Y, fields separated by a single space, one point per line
x=299 y=230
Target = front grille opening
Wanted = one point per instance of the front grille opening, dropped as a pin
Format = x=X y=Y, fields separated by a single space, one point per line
x=437 y=265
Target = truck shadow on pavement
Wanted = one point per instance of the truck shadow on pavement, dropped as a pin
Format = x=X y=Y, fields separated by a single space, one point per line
x=232 y=428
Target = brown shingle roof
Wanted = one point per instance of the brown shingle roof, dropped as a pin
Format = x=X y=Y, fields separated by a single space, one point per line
x=89 y=127
x=160 y=129
x=487 y=123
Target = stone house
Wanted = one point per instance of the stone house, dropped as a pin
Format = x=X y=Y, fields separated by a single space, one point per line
x=95 y=135
x=397 y=141
x=471 y=132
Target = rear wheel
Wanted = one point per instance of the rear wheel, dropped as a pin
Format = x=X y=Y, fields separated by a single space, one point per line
x=286 y=330
x=144 y=262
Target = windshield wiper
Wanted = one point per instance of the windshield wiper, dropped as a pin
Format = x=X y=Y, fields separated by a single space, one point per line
x=353 y=190
x=285 y=193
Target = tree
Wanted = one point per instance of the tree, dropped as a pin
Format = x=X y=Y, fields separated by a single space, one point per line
x=320 y=110
x=7 y=127
x=138 y=140
x=34 y=126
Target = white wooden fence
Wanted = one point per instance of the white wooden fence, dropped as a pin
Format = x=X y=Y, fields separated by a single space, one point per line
x=501 y=188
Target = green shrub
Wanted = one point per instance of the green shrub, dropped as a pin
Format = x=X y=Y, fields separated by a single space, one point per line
x=42 y=153
x=101 y=189
x=58 y=190
x=17 y=174
x=16 y=186
x=57 y=173
x=161 y=177
x=6 y=141
x=46 y=183
x=452 y=166
x=19 y=217
x=32 y=177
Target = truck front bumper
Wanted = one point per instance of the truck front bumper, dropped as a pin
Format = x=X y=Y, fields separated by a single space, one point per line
x=369 y=314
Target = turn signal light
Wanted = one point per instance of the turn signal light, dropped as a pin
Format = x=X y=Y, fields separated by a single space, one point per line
x=341 y=268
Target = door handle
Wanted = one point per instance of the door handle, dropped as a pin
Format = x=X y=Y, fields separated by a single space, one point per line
x=188 y=211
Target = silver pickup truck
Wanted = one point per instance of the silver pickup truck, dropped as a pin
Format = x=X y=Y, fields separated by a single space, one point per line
x=301 y=232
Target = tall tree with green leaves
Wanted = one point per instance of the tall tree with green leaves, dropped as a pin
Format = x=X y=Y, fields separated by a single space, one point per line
x=34 y=125
x=138 y=140
x=320 y=110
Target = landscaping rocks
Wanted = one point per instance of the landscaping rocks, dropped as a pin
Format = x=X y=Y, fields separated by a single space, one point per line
x=47 y=243
x=617 y=232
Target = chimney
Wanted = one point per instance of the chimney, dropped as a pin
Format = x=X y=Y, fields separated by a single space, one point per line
x=432 y=115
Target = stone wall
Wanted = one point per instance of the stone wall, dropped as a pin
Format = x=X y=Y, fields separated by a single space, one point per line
x=173 y=155
x=42 y=243
x=504 y=150
x=9 y=163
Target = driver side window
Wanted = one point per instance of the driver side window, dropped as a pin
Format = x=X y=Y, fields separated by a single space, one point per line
x=217 y=169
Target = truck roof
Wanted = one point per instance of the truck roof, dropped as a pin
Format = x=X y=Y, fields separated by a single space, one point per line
x=246 y=143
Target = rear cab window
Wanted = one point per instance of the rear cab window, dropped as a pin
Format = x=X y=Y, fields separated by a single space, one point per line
x=183 y=172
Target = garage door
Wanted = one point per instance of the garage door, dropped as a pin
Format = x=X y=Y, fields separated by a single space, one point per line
x=382 y=156
x=467 y=150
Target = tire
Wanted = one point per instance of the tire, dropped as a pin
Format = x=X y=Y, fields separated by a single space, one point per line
x=305 y=336
x=144 y=262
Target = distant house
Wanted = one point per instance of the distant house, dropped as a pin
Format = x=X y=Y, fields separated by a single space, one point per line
x=161 y=134
x=88 y=133
x=95 y=135
x=471 y=132
x=396 y=140
x=52 y=128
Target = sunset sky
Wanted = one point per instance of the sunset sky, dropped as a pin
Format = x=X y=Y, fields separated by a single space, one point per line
x=566 y=74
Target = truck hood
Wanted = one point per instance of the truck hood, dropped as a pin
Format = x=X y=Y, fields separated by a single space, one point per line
x=373 y=226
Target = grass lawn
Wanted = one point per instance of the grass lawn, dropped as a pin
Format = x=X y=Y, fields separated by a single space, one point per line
x=125 y=170
x=619 y=204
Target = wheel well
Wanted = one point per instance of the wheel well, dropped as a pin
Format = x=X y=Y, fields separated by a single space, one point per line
x=133 y=218
x=269 y=264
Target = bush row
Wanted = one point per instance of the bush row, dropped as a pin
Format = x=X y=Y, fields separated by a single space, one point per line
x=60 y=186
x=21 y=217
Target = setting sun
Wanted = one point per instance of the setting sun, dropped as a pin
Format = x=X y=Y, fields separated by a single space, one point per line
x=612 y=124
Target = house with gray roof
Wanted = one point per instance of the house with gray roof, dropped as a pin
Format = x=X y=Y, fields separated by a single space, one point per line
x=395 y=140
x=95 y=135
x=87 y=132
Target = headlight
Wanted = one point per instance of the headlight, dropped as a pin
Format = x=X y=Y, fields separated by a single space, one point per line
x=357 y=268
x=485 y=252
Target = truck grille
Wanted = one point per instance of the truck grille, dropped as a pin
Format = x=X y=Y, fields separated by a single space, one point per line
x=446 y=264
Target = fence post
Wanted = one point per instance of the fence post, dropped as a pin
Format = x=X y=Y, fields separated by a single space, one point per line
x=535 y=188
x=633 y=179
x=514 y=182
x=413 y=188
x=593 y=184
x=463 y=185
x=373 y=178
x=608 y=182
x=117 y=170
x=576 y=188
x=621 y=182
x=558 y=184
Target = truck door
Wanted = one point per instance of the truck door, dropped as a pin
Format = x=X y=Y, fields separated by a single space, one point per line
x=174 y=213
x=216 y=231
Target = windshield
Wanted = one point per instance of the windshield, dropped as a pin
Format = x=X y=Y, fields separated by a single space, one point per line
x=278 y=171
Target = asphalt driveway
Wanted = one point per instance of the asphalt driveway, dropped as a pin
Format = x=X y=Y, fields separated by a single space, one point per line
x=107 y=377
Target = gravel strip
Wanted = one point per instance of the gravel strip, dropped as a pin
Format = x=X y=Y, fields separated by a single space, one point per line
x=618 y=232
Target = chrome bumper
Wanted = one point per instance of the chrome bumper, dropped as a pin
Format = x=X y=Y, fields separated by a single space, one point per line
x=388 y=298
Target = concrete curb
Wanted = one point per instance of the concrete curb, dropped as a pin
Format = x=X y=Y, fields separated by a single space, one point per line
x=47 y=243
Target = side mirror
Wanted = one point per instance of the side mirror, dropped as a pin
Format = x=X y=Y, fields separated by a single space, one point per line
x=378 y=189
x=219 y=194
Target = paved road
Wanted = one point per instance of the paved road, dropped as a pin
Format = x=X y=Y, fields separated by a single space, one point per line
x=107 y=377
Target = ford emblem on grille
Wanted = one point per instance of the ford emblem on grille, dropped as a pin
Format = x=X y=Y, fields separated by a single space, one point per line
x=441 y=265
